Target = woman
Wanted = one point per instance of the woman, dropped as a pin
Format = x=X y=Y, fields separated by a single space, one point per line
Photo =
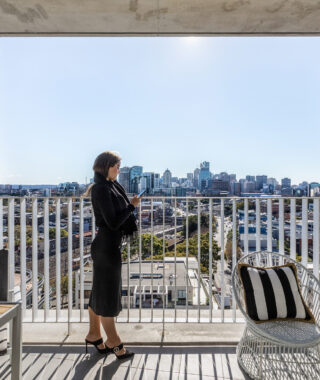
x=115 y=220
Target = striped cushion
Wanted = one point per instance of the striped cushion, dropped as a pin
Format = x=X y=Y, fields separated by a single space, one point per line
x=273 y=293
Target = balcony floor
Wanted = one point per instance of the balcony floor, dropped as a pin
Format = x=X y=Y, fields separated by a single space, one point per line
x=149 y=363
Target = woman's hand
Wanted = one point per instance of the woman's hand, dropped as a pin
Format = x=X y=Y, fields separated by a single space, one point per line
x=135 y=201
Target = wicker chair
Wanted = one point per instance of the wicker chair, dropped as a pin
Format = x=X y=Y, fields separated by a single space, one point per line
x=280 y=349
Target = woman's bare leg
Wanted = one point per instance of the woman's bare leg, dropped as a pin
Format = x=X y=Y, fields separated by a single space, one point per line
x=94 y=329
x=113 y=339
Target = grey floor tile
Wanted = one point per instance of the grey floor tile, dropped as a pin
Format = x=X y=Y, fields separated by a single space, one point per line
x=148 y=363
x=35 y=368
x=160 y=362
x=115 y=372
x=85 y=366
x=183 y=376
x=150 y=374
x=237 y=374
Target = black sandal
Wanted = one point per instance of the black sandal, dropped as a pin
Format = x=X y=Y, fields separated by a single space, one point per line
x=96 y=343
x=115 y=349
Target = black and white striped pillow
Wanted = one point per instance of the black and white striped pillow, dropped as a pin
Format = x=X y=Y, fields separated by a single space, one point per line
x=273 y=293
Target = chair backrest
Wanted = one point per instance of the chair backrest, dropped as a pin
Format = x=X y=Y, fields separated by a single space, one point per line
x=310 y=286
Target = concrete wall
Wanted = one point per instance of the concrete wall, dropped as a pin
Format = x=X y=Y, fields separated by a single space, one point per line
x=159 y=17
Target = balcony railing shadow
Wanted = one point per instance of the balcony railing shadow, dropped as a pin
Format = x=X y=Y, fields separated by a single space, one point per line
x=162 y=362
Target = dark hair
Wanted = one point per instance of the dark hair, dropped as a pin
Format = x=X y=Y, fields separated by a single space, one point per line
x=105 y=161
x=101 y=165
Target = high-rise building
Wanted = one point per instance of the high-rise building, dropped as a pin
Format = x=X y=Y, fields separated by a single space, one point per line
x=220 y=185
x=147 y=182
x=156 y=181
x=124 y=178
x=250 y=178
x=190 y=176
x=196 y=178
x=223 y=176
x=314 y=189
x=260 y=181
x=233 y=177
x=249 y=187
x=235 y=188
x=135 y=175
x=273 y=182
x=204 y=173
x=242 y=185
x=285 y=182
x=189 y=182
x=167 y=178
x=304 y=186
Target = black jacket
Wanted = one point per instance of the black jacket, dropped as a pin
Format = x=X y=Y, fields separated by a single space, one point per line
x=111 y=206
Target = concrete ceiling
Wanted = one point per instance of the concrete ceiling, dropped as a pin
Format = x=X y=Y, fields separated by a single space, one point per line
x=159 y=17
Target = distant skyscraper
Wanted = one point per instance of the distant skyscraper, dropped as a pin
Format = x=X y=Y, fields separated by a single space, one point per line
x=147 y=181
x=273 y=182
x=205 y=165
x=167 y=178
x=204 y=174
x=249 y=187
x=250 y=178
x=156 y=180
x=196 y=178
x=224 y=176
x=124 y=177
x=135 y=175
x=285 y=182
x=233 y=177
x=190 y=176
x=260 y=181
x=235 y=188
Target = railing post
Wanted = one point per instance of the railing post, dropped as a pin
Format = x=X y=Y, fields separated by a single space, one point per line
x=304 y=241
x=246 y=227
x=234 y=251
x=210 y=260
x=293 y=229
x=140 y=259
x=23 y=255
x=258 y=226
x=4 y=294
x=151 y=242
x=222 y=259
x=11 y=249
x=46 y=259
x=34 y=259
x=281 y=226
x=81 y=236
x=187 y=258
x=199 y=257
x=58 y=261
x=316 y=237
x=69 y=264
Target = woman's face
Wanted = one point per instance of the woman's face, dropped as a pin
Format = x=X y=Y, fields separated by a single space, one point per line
x=114 y=171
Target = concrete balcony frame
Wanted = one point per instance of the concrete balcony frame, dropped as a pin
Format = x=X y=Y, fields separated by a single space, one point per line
x=159 y=18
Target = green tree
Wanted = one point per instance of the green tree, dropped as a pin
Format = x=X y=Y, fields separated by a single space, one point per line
x=64 y=286
x=193 y=223
x=145 y=247
x=251 y=205
x=52 y=233
x=17 y=235
x=204 y=250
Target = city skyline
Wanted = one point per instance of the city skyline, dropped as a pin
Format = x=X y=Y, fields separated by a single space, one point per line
x=249 y=106
x=191 y=171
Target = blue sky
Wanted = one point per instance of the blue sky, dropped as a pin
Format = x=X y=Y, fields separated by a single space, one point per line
x=246 y=105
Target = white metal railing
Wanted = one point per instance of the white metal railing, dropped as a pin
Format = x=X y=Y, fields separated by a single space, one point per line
x=46 y=283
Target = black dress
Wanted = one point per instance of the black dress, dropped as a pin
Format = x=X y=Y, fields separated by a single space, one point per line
x=113 y=213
